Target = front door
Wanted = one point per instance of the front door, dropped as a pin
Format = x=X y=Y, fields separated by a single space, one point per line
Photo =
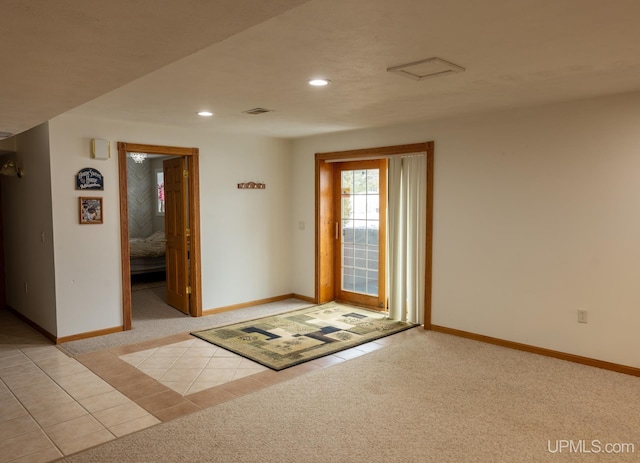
x=360 y=203
x=177 y=234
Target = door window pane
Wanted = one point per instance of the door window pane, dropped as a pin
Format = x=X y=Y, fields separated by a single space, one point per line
x=360 y=223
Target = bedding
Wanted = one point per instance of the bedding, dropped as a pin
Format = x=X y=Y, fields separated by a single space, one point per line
x=147 y=254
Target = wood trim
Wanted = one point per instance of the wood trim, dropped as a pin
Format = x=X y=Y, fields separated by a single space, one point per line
x=312 y=300
x=325 y=242
x=3 y=274
x=194 y=225
x=243 y=305
x=89 y=334
x=372 y=153
x=192 y=154
x=628 y=370
x=124 y=237
x=322 y=166
x=428 y=264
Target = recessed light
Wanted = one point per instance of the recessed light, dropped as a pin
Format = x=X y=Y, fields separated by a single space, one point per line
x=205 y=113
x=319 y=82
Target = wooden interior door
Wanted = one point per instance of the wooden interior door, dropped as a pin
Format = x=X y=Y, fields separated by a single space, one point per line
x=176 y=231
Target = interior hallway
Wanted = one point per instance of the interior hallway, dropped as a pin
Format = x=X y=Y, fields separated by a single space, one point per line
x=54 y=404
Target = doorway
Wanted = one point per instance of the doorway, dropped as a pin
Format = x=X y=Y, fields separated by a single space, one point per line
x=329 y=217
x=360 y=203
x=185 y=268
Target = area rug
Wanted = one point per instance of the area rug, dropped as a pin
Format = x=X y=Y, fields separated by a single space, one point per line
x=282 y=341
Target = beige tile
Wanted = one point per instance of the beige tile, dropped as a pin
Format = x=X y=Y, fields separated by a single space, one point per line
x=135 y=359
x=11 y=359
x=191 y=362
x=7 y=350
x=181 y=387
x=155 y=373
x=59 y=369
x=327 y=361
x=20 y=425
x=120 y=414
x=54 y=413
x=246 y=363
x=18 y=370
x=5 y=394
x=42 y=352
x=224 y=362
x=42 y=394
x=26 y=379
x=104 y=401
x=72 y=429
x=198 y=386
x=200 y=352
x=370 y=347
x=41 y=456
x=217 y=374
x=84 y=442
x=11 y=409
x=244 y=372
x=83 y=385
x=349 y=354
x=187 y=343
x=39 y=388
x=225 y=353
x=181 y=374
x=157 y=362
x=134 y=425
x=174 y=352
x=23 y=445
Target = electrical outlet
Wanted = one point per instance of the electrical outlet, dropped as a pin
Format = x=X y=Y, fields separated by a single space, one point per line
x=582 y=316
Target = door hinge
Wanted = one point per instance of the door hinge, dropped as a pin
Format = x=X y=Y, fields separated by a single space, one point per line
x=185 y=173
x=187 y=232
x=188 y=289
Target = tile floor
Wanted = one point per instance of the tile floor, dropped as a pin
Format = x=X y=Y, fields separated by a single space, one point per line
x=53 y=405
x=192 y=366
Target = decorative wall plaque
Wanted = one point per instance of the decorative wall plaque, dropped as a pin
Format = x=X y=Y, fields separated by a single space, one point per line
x=89 y=179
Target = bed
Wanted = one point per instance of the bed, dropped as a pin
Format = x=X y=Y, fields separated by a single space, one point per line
x=147 y=255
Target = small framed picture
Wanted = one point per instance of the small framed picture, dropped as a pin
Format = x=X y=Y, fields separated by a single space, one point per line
x=90 y=210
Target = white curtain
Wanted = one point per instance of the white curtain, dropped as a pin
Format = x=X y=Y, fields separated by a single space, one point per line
x=406 y=237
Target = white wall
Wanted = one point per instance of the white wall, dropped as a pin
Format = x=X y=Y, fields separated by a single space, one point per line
x=28 y=231
x=245 y=234
x=536 y=215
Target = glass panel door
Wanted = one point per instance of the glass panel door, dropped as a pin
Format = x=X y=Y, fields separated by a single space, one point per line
x=362 y=213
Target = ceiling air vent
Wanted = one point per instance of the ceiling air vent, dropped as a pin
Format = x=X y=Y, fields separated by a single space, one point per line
x=256 y=111
x=426 y=69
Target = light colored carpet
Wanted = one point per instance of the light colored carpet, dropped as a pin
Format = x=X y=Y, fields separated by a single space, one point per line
x=153 y=319
x=432 y=398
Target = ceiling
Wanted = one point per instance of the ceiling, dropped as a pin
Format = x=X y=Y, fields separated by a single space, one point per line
x=161 y=62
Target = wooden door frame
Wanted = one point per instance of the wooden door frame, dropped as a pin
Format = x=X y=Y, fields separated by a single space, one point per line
x=195 y=304
x=325 y=215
